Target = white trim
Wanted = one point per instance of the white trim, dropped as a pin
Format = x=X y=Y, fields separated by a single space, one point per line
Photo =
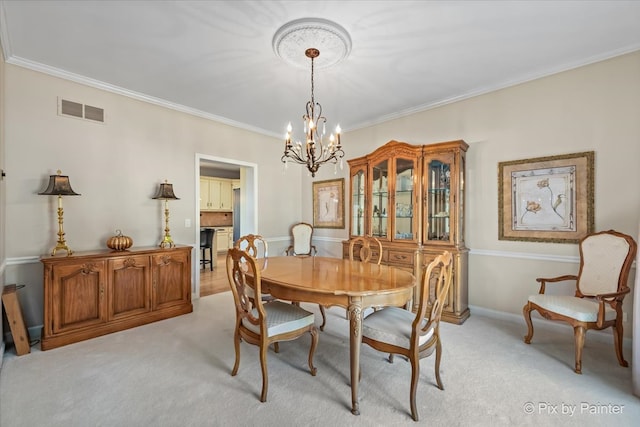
x=23 y=260
x=526 y=255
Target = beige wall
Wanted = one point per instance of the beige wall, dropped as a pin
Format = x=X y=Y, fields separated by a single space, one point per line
x=117 y=166
x=592 y=108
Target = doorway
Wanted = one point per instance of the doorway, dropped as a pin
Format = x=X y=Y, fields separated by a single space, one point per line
x=248 y=198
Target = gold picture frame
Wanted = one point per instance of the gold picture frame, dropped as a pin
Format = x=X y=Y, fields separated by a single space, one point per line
x=546 y=199
x=328 y=203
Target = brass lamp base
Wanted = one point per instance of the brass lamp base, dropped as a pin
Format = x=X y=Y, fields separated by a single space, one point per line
x=167 y=242
x=62 y=246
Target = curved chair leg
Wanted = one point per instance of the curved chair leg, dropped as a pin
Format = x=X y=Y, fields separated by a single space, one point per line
x=617 y=341
x=415 y=374
x=578 y=333
x=438 y=356
x=236 y=342
x=324 y=318
x=276 y=347
x=526 y=312
x=265 y=378
x=312 y=350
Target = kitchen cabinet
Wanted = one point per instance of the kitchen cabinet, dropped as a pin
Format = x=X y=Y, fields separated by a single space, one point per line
x=96 y=293
x=224 y=239
x=411 y=197
x=216 y=194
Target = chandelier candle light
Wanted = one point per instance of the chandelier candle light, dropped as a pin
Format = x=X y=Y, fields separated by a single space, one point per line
x=316 y=150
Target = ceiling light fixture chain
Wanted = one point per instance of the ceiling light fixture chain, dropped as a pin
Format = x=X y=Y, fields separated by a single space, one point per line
x=316 y=152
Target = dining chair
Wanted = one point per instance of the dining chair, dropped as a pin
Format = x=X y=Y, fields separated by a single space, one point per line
x=262 y=324
x=369 y=249
x=600 y=288
x=363 y=249
x=302 y=234
x=416 y=335
x=256 y=246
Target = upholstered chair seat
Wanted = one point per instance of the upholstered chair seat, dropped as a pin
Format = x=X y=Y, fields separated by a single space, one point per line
x=282 y=318
x=582 y=309
x=393 y=325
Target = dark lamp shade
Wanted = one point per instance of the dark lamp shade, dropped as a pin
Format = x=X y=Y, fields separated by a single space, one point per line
x=165 y=192
x=59 y=186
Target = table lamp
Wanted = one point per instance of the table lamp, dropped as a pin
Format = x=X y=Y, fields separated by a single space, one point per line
x=165 y=192
x=59 y=186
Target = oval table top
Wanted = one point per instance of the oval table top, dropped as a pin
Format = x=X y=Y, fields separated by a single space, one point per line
x=335 y=276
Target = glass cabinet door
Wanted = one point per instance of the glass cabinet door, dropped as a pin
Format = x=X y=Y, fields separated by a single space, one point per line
x=404 y=199
x=438 y=200
x=380 y=199
x=357 y=203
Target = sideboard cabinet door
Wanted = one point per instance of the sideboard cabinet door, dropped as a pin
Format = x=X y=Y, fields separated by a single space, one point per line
x=79 y=300
x=129 y=293
x=171 y=280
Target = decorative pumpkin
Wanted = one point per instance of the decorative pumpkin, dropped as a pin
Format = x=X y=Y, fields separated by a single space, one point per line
x=119 y=242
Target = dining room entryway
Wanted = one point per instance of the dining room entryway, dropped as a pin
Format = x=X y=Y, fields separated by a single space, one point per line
x=213 y=282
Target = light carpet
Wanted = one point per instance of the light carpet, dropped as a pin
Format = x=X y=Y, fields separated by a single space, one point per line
x=176 y=372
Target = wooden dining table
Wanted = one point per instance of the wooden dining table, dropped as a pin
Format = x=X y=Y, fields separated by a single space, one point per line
x=353 y=285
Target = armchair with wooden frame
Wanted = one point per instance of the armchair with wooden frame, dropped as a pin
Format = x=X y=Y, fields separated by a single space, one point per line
x=416 y=335
x=600 y=288
x=302 y=234
x=262 y=324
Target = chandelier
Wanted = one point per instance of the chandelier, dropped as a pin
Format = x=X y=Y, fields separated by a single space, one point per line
x=316 y=150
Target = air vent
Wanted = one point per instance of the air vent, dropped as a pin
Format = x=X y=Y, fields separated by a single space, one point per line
x=80 y=111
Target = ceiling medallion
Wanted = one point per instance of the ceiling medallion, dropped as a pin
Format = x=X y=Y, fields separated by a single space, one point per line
x=294 y=38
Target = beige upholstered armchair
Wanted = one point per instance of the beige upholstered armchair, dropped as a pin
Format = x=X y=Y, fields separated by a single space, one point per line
x=601 y=284
x=302 y=233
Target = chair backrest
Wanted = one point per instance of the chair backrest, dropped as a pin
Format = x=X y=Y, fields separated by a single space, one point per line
x=438 y=275
x=605 y=261
x=206 y=237
x=302 y=234
x=254 y=245
x=243 y=273
x=367 y=247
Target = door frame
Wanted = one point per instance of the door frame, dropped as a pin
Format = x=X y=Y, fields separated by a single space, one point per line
x=248 y=199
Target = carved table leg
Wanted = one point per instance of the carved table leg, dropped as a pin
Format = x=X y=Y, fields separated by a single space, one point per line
x=355 y=340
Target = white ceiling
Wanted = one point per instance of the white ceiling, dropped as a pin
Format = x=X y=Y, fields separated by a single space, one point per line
x=215 y=58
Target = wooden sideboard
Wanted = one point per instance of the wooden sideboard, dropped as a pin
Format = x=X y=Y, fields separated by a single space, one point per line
x=96 y=293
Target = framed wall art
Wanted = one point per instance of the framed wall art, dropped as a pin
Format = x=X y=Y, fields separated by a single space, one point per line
x=546 y=199
x=328 y=203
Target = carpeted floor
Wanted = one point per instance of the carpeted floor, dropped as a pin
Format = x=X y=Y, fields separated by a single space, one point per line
x=176 y=372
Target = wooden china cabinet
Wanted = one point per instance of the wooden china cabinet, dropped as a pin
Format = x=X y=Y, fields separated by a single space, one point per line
x=411 y=197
